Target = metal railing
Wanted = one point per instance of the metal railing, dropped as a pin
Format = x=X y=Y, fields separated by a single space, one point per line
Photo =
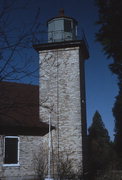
x=43 y=36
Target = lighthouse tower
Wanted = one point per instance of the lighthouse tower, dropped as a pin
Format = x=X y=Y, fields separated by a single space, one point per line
x=62 y=90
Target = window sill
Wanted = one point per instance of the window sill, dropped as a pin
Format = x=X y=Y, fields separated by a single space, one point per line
x=11 y=165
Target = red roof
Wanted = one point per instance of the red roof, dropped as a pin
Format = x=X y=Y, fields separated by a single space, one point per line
x=19 y=110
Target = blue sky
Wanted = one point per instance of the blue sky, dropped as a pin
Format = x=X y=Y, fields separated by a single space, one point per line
x=101 y=84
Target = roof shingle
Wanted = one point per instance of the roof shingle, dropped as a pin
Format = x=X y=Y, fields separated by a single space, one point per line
x=19 y=110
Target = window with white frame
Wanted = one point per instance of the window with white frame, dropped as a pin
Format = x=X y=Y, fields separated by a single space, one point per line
x=11 y=150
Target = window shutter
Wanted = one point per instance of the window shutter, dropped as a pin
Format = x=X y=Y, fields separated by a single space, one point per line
x=11 y=150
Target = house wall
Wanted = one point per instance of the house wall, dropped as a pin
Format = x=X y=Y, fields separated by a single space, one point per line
x=60 y=100
x=29 y=150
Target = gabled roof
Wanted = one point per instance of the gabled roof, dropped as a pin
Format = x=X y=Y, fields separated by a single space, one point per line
x=19 y=110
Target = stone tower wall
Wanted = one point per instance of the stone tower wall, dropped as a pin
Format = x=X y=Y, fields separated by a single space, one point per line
x=60 y=99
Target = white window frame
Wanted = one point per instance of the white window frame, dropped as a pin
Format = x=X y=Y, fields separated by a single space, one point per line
x=17 y=164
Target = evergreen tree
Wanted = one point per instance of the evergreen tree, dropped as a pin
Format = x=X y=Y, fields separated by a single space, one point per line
x=99 y=145
x=110 y=36
x=117 y=111
x=110 y=32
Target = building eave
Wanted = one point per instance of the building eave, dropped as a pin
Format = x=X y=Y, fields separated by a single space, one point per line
x=25 y=131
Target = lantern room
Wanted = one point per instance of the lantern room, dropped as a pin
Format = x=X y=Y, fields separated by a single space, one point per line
x=62 y=28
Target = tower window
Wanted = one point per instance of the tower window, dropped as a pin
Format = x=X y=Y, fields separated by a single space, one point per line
x=67 y=25
x=11 y=147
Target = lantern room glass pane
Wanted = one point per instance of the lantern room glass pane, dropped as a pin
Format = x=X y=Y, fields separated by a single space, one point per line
x=67 y=25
